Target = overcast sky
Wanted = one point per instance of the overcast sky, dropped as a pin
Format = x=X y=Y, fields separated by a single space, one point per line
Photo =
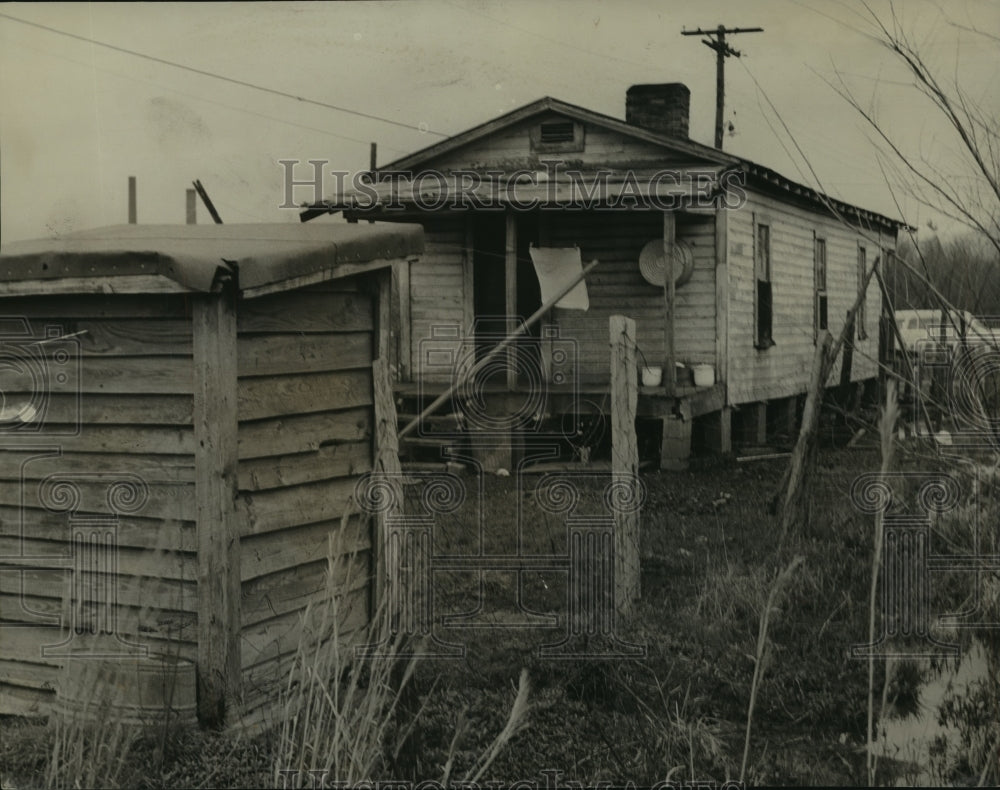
x=78 y=118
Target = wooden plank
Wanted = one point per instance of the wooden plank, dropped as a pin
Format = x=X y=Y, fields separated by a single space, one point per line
x=61 y=307
x=134 y=337
x=148 y=533
x=267 y=640
x=726 y=430
x=215 y=426
x=171 y=594
x=282 y=354
x=167 y=440
x=123 y=284
x=336 y=272
x=31 y=464
x=279 y=508
x=624 y=460
x=283 y=551
x=277 y=594
x=510 y=286
x=795 y=501
x=305 y=311
x=163 y=500
x=386 y=463
x=44 y=677
x=383 y=321
x=16 y=700
x=337 y=460
x=280 y=636
x=140 y=622
x=127 y=376
x=669 y=295
x=71 y=410
x=300 y=433
x=275 y=396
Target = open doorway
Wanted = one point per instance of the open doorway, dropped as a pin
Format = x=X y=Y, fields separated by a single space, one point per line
x=489 y=240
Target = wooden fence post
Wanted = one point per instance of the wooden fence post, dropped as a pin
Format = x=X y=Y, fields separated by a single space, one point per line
x=793 y=508
x=386 y=463
x=625 y=459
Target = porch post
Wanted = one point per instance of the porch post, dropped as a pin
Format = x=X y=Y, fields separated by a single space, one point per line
x=510 y=281
x=669 y=356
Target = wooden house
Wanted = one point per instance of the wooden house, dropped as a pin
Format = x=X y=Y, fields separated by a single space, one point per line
x=763 y=264
x=186 y=412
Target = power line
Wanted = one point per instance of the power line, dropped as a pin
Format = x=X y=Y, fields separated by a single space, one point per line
x=717 y=41
x=221 y=77
x=214 y=102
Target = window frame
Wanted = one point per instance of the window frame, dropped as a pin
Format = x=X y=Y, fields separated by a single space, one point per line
x=821 y=312
x=859 y=318
x=763 y=280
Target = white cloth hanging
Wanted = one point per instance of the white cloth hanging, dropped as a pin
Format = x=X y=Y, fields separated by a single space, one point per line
x=556 y=267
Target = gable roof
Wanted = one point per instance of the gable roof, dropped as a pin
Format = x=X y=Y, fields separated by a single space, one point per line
x=759 y=176
x=547 y=103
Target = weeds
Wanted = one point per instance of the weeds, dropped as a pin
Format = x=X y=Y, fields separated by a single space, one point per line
x=762 y=654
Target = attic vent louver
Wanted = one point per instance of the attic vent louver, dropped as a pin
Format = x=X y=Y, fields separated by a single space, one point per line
x=557 y=132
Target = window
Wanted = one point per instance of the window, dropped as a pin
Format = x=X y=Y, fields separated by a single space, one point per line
x=763 y=302
x=859 y=318
x=819 y=285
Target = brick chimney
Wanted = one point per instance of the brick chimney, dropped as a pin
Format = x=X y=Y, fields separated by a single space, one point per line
x=662 y=108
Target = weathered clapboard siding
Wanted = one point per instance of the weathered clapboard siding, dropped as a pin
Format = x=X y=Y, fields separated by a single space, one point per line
x=116 y=420
x=210 y=436
x=783 y=370
x=305 y=416
x=28 y=679
x=437 y=293
x=275 y=641
x=616 y=239
x=510 y=149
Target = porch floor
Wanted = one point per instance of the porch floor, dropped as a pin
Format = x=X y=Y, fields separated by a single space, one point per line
x=688 y=401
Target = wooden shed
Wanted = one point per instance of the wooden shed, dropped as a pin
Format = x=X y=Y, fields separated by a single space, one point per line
x=767 y=263
x=186 y=411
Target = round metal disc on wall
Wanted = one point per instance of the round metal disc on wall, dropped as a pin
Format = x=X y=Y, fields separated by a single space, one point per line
x=652 y=262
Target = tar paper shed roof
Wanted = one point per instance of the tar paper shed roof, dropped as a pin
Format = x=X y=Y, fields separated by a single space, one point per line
x=186 y=258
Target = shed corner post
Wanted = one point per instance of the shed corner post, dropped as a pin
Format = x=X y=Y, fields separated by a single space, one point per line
x=213 y=317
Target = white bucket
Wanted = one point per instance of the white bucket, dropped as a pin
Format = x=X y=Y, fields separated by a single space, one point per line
x=652 y=377
x=704 y=376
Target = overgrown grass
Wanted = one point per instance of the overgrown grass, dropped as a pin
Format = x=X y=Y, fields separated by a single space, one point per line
x=729 y=652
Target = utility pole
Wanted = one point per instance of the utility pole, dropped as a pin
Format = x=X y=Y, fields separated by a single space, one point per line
x=717 y=41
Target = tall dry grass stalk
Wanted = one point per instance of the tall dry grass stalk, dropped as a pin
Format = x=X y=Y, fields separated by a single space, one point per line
x=90 y=749
x=94 y=735
x=762 y=653
x=887 y=443
x=340 y=710
x=517 y=720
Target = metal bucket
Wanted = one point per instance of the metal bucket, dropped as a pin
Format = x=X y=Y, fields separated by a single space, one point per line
x=152 y=690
